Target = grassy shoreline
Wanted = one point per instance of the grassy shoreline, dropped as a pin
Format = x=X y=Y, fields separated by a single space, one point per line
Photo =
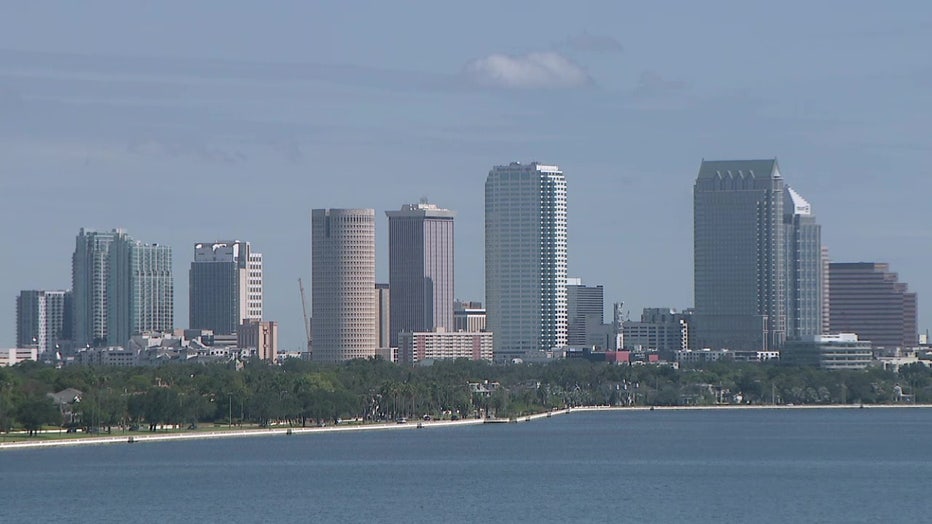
x=59 y=439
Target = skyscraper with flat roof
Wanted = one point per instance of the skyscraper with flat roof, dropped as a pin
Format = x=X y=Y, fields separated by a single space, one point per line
x=739 y=251
x=343 y=284
x=420 y=268
x=868 y=299
x=41 y=319
x=120 y=287
x=140 y=290
x=585 y=311
x=526 y=258
x=90 y=273
x=803 y=237
x=225 y=286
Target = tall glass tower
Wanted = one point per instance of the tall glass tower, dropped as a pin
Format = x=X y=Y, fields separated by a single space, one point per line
x=140 y=290
x=90 y=272
x=526 y=258
x=121 y=287
x=420 y=269
x=804 y=300
x=739 y=251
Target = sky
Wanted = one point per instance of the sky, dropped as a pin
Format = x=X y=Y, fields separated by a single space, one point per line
x=186 y=122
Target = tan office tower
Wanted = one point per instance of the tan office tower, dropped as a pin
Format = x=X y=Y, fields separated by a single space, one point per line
x=420 y=268
x=342 y=283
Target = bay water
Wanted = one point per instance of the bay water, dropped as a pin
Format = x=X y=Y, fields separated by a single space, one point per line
x=726 y=465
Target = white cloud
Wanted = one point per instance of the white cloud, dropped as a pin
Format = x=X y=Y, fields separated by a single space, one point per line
x=530 y=71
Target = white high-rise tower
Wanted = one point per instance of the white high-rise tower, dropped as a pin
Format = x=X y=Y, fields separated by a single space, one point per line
x=525 y=258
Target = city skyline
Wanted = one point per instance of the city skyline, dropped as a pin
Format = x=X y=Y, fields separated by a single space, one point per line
x=326 y=108
x=800 y=239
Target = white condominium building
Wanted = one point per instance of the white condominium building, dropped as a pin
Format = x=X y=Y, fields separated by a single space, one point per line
x=526 y=258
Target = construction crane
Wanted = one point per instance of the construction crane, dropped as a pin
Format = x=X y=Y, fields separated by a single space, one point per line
x=307 y=323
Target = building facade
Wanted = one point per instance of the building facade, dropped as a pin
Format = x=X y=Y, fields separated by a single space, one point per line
x=867 y=299
x=13 y=356
x=90 y=274
x=342 y=284
x=739 y=251
x=140 y=291
x=585 y=312
x=664 y=330
x=383 y=308
x=414 y=347
x=835 y=351
x=804 y=286
x=826 y=285
x=42 y=320
x=526 y=258
x=468 y=316
x=420 y=268
x=225 y=286
x=259 y=335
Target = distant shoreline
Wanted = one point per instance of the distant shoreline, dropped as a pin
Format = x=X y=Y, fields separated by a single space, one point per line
x=144 y=437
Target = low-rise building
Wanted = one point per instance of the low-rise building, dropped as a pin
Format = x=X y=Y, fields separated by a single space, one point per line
x=262 y=336
x=689 y=356
x=13 y=356
x=108 y=356
x=434 y=345
x=660 y=329
x=834 y=351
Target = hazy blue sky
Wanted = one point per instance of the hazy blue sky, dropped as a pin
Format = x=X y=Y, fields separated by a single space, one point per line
x=194 y=121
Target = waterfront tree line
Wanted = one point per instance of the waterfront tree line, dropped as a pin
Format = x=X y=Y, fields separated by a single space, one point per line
x=300 y=393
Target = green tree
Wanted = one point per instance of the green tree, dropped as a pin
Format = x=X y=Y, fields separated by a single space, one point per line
x=36 y=411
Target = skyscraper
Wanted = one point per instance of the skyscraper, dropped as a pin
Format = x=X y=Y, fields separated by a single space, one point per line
x=526 y=258
x=867 y=299
x=803 y=267
x=140 y=290
x=225 y=286
x=121 y=287
x=343 y=283
x=41 y=319
x=90 y=272
x=420 y=268
x=739 y=251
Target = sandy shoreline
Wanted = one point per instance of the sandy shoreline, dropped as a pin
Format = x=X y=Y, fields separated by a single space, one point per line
x=143 y=437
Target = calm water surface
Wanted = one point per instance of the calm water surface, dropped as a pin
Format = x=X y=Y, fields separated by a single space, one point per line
x=859 y=465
